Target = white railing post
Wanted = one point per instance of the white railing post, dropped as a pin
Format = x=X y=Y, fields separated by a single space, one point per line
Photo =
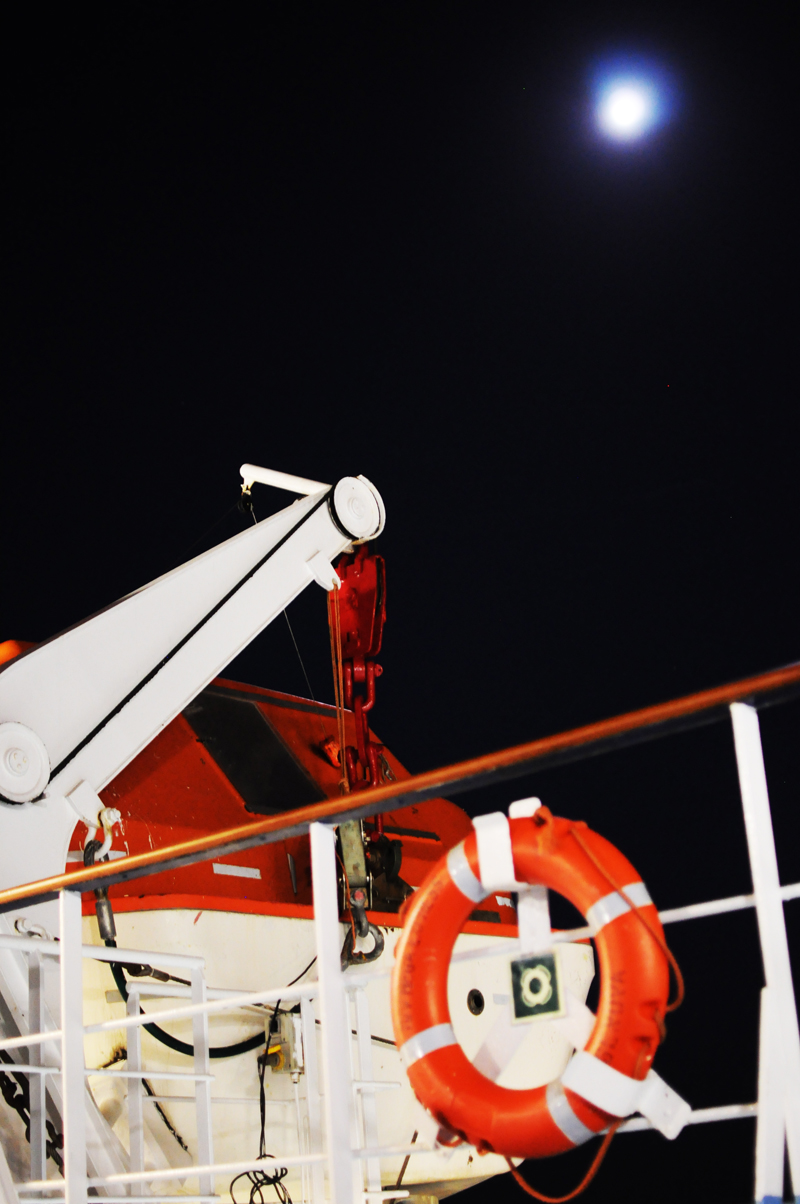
x=369 y=1104
x=202 y=1065
x=770 y=1126
x=313 y=1098
x=779 y=1046
x=73 y=1091
x=8 y=1192
x=37 y=1082
x=135 y=1091
x=336 y=1077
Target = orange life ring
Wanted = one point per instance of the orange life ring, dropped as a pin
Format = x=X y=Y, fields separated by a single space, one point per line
x=634 y=987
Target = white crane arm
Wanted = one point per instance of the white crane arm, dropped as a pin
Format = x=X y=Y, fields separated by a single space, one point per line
x=78 y=708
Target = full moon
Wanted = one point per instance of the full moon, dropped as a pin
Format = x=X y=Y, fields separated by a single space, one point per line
x=627 y=110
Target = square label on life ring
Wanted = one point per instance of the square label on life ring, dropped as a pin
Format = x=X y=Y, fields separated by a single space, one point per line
x=536 y=987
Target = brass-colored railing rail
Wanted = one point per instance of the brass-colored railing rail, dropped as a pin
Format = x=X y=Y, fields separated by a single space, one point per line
x=635 y=727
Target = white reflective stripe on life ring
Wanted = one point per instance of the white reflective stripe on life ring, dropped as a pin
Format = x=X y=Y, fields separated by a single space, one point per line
x=425 y=1042
x=563 y=1117
x=459 y=869
x=619 y=1095
x=612 y=906
x=602 y=1085
x=495 y=855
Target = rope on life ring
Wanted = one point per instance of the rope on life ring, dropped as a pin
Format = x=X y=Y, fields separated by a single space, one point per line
x=611 y=1077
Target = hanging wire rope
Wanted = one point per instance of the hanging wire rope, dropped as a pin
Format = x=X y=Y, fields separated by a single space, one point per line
x=311 y=694
x=585 y=1181
x=335 y=629
x=680 y=988
x=259 y=1179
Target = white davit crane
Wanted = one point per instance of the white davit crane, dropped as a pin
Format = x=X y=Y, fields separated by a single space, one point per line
x=75 y=710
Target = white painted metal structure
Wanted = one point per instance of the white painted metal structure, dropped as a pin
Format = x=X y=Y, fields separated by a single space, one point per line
x=779 y=1043
x=77 y=709
x=251 y=473
x=338 y=1141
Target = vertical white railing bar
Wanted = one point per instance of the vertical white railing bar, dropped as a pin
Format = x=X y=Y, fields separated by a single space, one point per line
x=313 y=1098
x=356 y=1164
x=135 y=1091
x=301 y=1138
x=369 y=1106
x=37 y=1082
x=8 y=1192
x=73 y=1088
x=782 y=1074
x=336 y=1078
x=202 y=1065
x=770 y=1127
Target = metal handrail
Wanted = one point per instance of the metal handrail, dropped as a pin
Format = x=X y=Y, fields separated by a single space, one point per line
x=779 y=1046
x=594 y=739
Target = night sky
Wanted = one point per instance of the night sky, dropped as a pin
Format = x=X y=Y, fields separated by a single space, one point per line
x=388 y=239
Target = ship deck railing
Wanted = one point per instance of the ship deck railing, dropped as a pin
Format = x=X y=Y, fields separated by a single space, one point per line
x=341 y=1161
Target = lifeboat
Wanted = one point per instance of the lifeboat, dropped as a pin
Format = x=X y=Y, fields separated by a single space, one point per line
x=240 y=750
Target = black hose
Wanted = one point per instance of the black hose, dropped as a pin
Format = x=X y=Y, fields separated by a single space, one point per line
x=182 y=1047
x=105 y=920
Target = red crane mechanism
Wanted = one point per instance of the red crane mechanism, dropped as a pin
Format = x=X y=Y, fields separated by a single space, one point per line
x=370 y=861
x=359 y=613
